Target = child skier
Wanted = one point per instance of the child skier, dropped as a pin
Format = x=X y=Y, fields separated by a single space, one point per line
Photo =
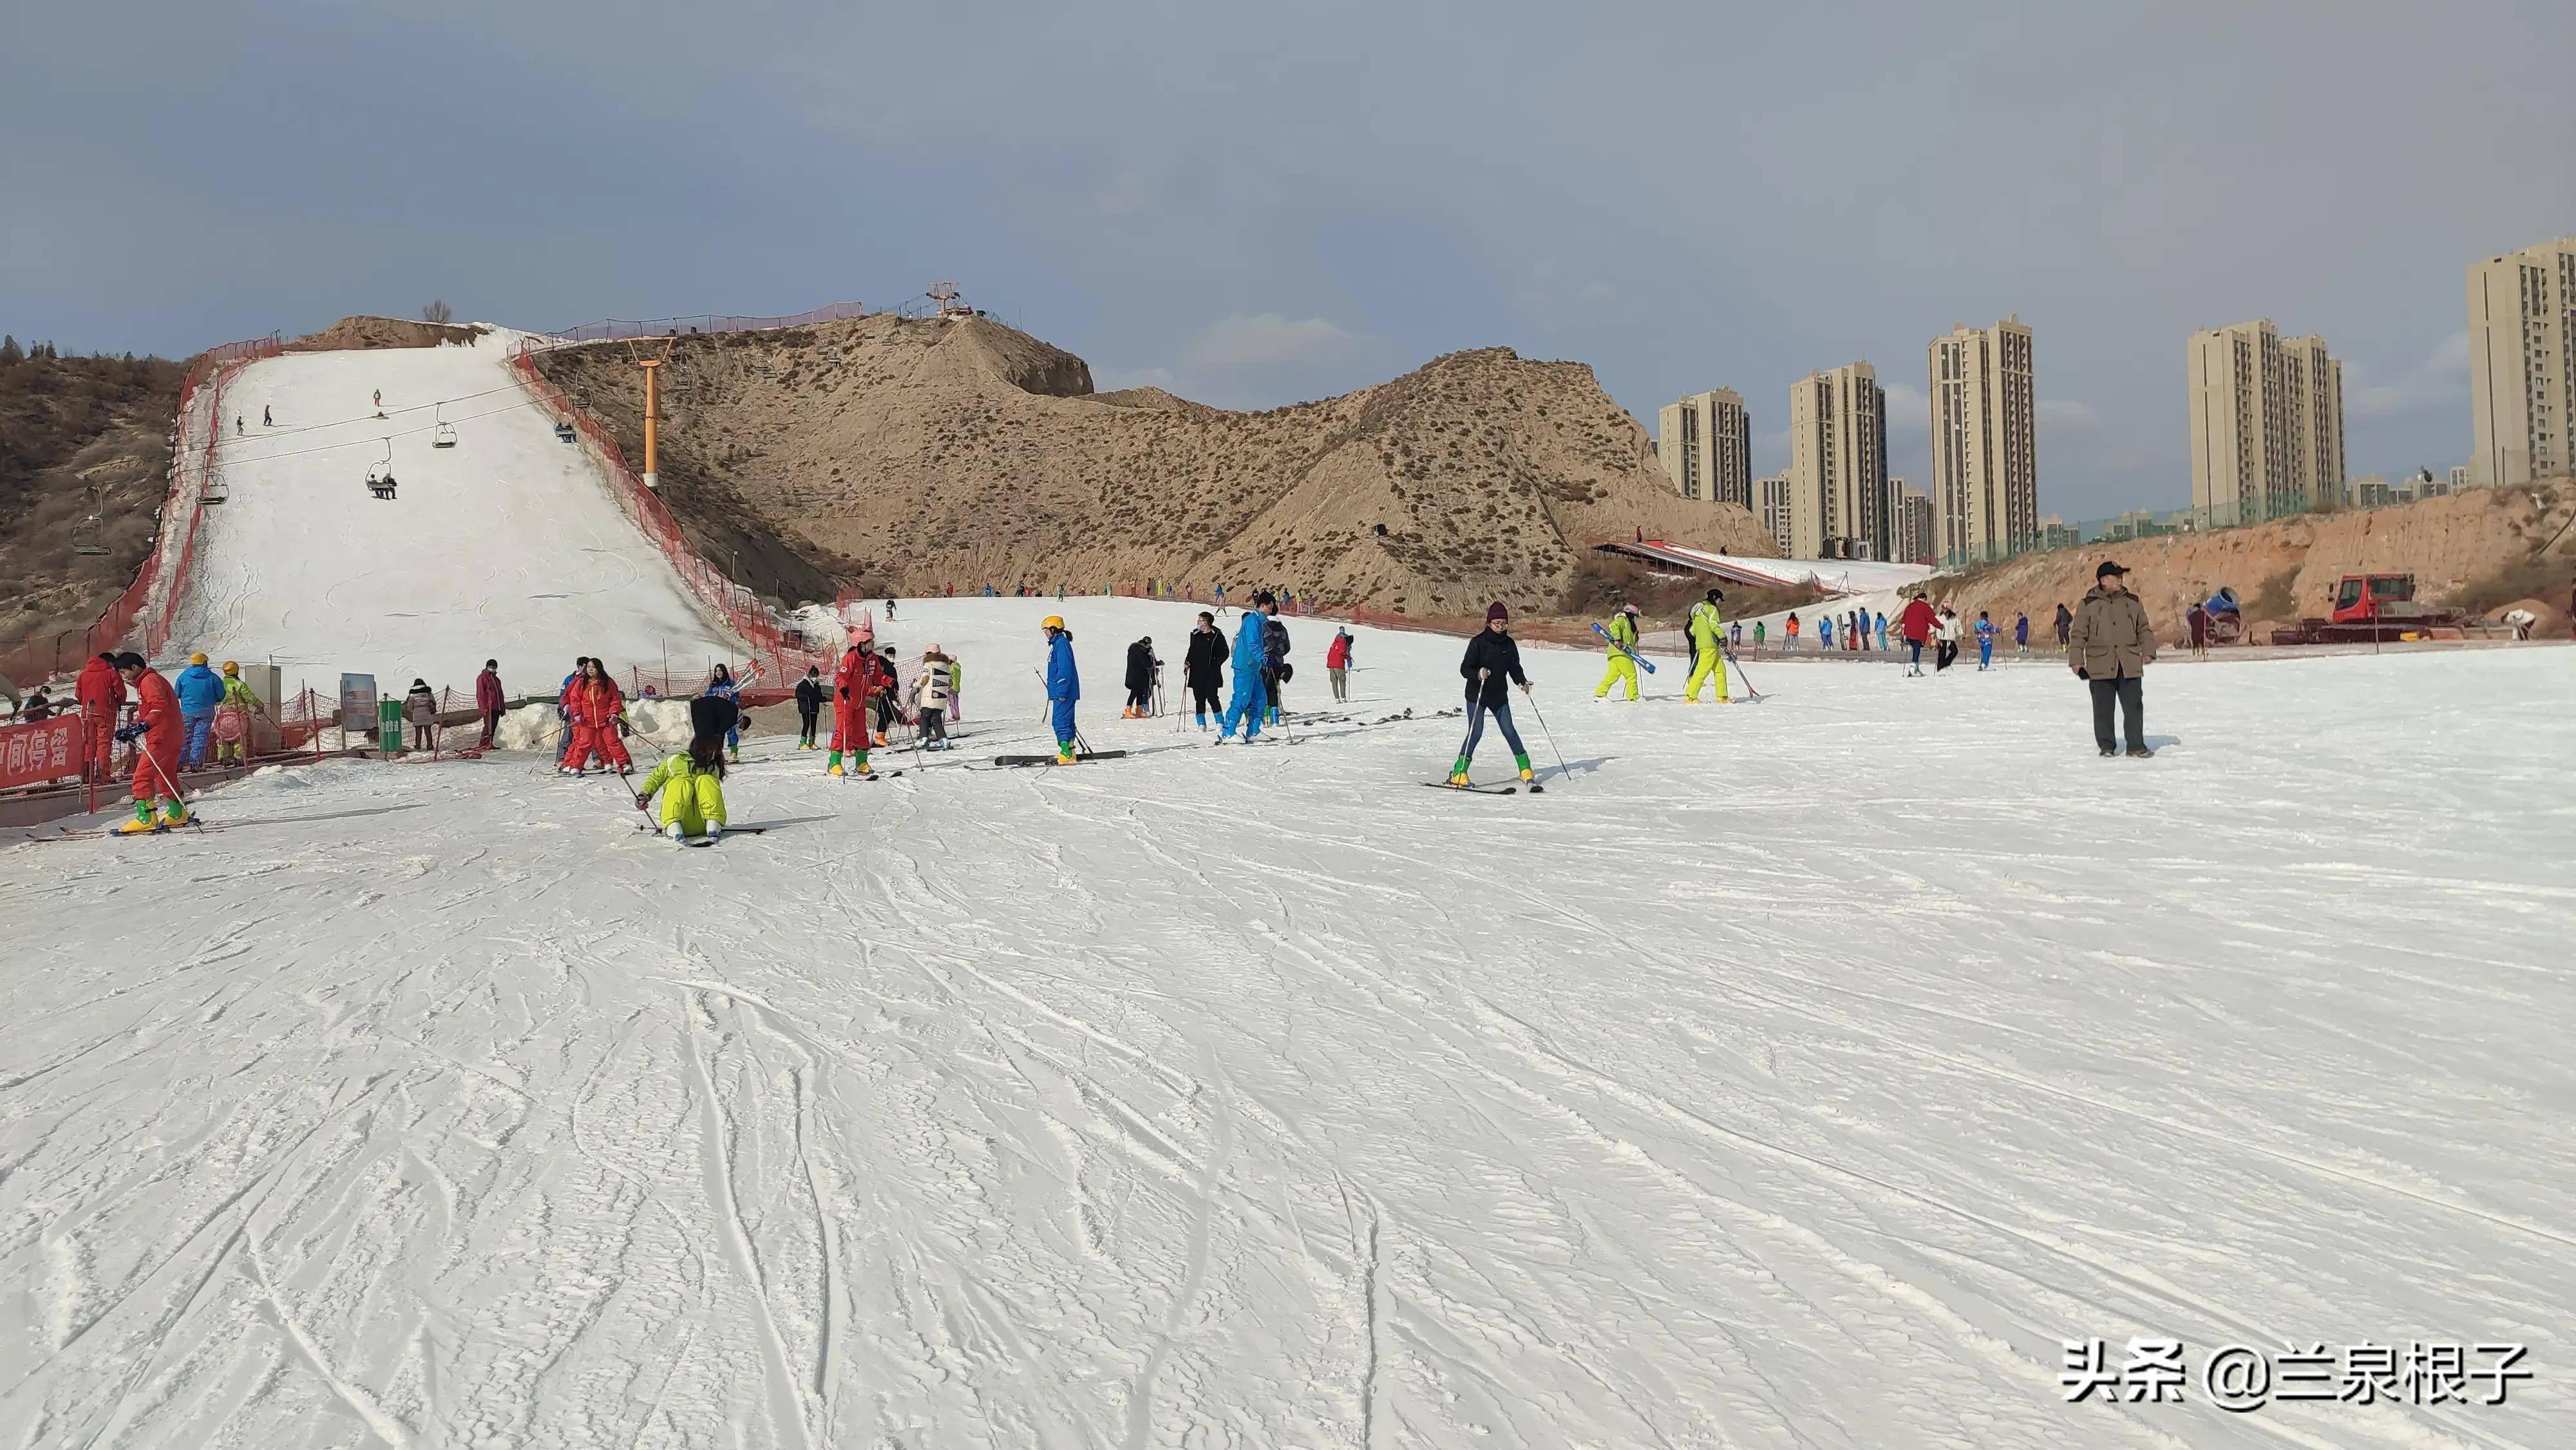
x=809 y=705
x=691 y=785
x=1985 y=641
x=930 y=699
x=1622 y=630
x=1492 y=658
x=721 y=686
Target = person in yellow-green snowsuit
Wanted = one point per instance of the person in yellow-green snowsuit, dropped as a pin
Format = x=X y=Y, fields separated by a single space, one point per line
x=1708 y=647
x=692 y=787
x=1623 y=652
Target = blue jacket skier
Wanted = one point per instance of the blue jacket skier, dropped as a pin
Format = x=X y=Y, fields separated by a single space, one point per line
x=721 y=686
x=1063 y=686
x=199 y=690
x=1251 y=699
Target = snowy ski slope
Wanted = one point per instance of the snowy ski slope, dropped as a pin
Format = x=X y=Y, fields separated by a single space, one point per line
x=1798 y=1074
x=505 y=546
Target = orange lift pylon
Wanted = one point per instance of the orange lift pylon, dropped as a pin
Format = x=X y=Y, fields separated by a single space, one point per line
x=652 y=367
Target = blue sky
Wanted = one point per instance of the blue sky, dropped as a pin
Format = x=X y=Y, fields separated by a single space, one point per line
x=1255 y=207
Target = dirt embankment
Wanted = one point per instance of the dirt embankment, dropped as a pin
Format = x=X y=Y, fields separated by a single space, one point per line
x=911 y=455
x=79 y=435
x=369 y=332
x=2481 y=550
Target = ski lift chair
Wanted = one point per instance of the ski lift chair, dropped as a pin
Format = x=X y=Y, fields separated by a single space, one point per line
x=216 y=490
x=443 y=434
x=563 y=433
x=380 y=474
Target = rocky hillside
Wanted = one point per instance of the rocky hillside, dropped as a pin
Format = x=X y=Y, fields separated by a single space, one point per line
x=77 y=434
x=2484 y=550
x=913 y=455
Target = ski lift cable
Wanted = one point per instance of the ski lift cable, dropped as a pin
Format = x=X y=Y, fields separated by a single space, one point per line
x=389 y=412
x=228 y=461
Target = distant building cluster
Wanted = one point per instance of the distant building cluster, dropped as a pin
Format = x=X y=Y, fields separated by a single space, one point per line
x=2266 y=423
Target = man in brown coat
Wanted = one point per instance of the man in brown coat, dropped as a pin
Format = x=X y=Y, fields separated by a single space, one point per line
x=2109 y=647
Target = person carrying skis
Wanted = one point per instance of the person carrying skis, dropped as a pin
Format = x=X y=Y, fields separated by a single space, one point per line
x=691 y=784
x=1985 y=641
x=1622 y=630
x=1063 y=687
x=1275 y=669
x=809 y=705
x=1251 y=701
x=489 y=701
x=199 y=690
x=1916 y=623
x=854 y=685
x=1337 y=665
x=233 y=717
x=157 y=725
x=1141 y=665
x=1707 y=630
x=721 y=686
x=595 y=709
x=1204 y=667
x=1493 y=658
x=101 y=692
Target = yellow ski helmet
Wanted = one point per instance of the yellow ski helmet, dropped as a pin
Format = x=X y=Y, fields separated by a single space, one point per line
x=231 y=668
x=198 y=658
x=1052 y=621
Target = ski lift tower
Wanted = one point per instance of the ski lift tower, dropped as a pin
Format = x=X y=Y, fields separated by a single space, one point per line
x=652 y=367
x=951 y=305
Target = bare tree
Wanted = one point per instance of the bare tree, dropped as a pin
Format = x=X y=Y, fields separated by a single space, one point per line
x=438 y=312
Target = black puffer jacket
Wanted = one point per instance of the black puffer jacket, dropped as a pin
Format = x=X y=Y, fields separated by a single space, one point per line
x=1497 y=657
x=1206 y=660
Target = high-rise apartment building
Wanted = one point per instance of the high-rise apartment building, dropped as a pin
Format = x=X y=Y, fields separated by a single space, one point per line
x=2459 y=477
x=1912 y=527
x=1985 y=452
x=2522 y=363
x=1838 y=465
x=1771 y=505
x=1705 y=443
x=2266 y=424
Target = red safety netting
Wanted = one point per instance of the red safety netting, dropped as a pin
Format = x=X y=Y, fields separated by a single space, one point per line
x=740 y=609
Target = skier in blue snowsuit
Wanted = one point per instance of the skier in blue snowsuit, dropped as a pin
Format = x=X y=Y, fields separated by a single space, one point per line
x=200 y=690
x=1063 y=686
x=1251 y=654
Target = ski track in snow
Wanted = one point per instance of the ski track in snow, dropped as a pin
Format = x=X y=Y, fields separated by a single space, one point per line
x=1794 y=1074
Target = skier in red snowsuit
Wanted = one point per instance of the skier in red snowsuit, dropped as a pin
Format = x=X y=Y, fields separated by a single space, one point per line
x=102 y=696
x=156 y=759
x=854 y=687
x=593 y=707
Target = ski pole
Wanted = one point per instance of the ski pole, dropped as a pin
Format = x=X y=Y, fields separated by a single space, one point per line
x=1750 y=693
x=1541 y=716
x=175 y=793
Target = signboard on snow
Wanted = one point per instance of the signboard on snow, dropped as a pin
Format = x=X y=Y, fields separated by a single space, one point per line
x=39 y=751
x=357 y=704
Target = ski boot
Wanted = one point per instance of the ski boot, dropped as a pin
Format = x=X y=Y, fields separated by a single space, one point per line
x=174 y=813
x=1527 y=775
x=675 y=831
x=145 y=822
x=836 y=765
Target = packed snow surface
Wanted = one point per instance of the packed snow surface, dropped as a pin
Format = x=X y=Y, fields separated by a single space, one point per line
x=507 y=545
x=1794 y=1074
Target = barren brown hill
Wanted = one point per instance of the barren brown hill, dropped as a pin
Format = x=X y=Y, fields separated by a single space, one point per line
x=2483 y=550
x=77 y=435
x=914 y=455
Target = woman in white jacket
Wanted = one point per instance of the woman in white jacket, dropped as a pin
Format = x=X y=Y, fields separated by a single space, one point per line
x=1947 y=632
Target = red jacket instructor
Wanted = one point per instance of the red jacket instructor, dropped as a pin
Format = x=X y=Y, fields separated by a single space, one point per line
x=156 y=762
x=856 y=682
x=101 y=691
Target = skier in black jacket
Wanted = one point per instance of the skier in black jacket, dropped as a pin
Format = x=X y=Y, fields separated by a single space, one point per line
x=1275 y=669
x=1492 y=658
x=809 y=705
x=1205 y=666
x=1141 y=669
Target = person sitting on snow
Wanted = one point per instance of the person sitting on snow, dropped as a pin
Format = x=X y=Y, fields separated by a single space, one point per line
x=692 y=789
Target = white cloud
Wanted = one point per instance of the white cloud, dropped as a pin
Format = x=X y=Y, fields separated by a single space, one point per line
x=1909 y=409
x=2439 y=380
x=1267 y=339
x=2068 y=415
